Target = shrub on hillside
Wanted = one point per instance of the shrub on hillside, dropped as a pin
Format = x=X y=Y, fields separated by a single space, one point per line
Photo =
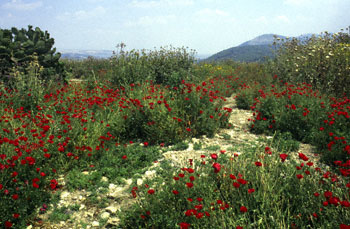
x=167 y=66
x=322 y=61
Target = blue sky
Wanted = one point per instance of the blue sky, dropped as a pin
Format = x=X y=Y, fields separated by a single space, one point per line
x=208 y=26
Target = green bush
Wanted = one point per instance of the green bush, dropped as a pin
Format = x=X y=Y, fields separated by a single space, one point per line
x=20 y=47
x=167 y=66
x=322 y=61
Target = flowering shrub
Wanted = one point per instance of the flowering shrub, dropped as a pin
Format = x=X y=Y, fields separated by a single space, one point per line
x=306 y=115
x=321 y=61
x=74 y=126
x=235 y=192
x=116 y=129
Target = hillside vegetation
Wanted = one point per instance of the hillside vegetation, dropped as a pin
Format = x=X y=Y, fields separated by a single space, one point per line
x=116 y=117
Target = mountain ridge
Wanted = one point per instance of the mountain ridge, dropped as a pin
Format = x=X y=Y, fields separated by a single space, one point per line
x=254 y=50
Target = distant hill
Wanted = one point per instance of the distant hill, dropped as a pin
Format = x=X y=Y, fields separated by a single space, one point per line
x=266 y=39
x=255 y=50
x=248 y=53
x=84 y=54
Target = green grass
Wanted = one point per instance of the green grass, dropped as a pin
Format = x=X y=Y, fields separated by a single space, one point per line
x=212 y=148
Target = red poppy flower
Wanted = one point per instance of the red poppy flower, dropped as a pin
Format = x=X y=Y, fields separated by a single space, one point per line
x=175 y=192
x=189 y=185
x=299 y=176
x=214 y=156
x=328 y=194
x=184 y=225
x=345 y=203
x=150 y=191
x=251 y=190
x=283 y=157
x=258 y=163
x=8 y=224
x=243 y=209
x=303 y=157
x=217 y=167
x=190 y=170
x=242 y=181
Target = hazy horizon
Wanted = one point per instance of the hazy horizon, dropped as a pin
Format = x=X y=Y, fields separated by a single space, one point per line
x=207 y=26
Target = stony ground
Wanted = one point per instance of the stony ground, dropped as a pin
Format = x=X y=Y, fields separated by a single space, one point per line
x=104 y=215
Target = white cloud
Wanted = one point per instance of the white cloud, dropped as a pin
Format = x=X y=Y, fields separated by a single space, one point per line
x=19 y=5
x=83 y=14
x=282 y=18
x=95 y=1
x=262 y=20
x=213 y=15
x=149 y=21
x=296 y=2
x=160 y=3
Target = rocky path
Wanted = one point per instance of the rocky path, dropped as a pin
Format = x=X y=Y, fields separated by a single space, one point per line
x=104 y=215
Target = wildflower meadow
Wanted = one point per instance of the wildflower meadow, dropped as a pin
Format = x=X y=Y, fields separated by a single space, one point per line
x=118 y=116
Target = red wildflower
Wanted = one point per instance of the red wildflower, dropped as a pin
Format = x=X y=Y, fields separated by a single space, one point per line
x=251 y=190
x=217 y=167
x=8 y=224
x=242 y=181
x=150 y=191
x=233 y=177
x=283 y=157
x=243 y=209
x=190 y=170
x=303 y=157
x=345 y=203
x=328 y=194
x=189 y=185
x=258 y=163
x=299 y=176
x=214 y=156
x=184 y=225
